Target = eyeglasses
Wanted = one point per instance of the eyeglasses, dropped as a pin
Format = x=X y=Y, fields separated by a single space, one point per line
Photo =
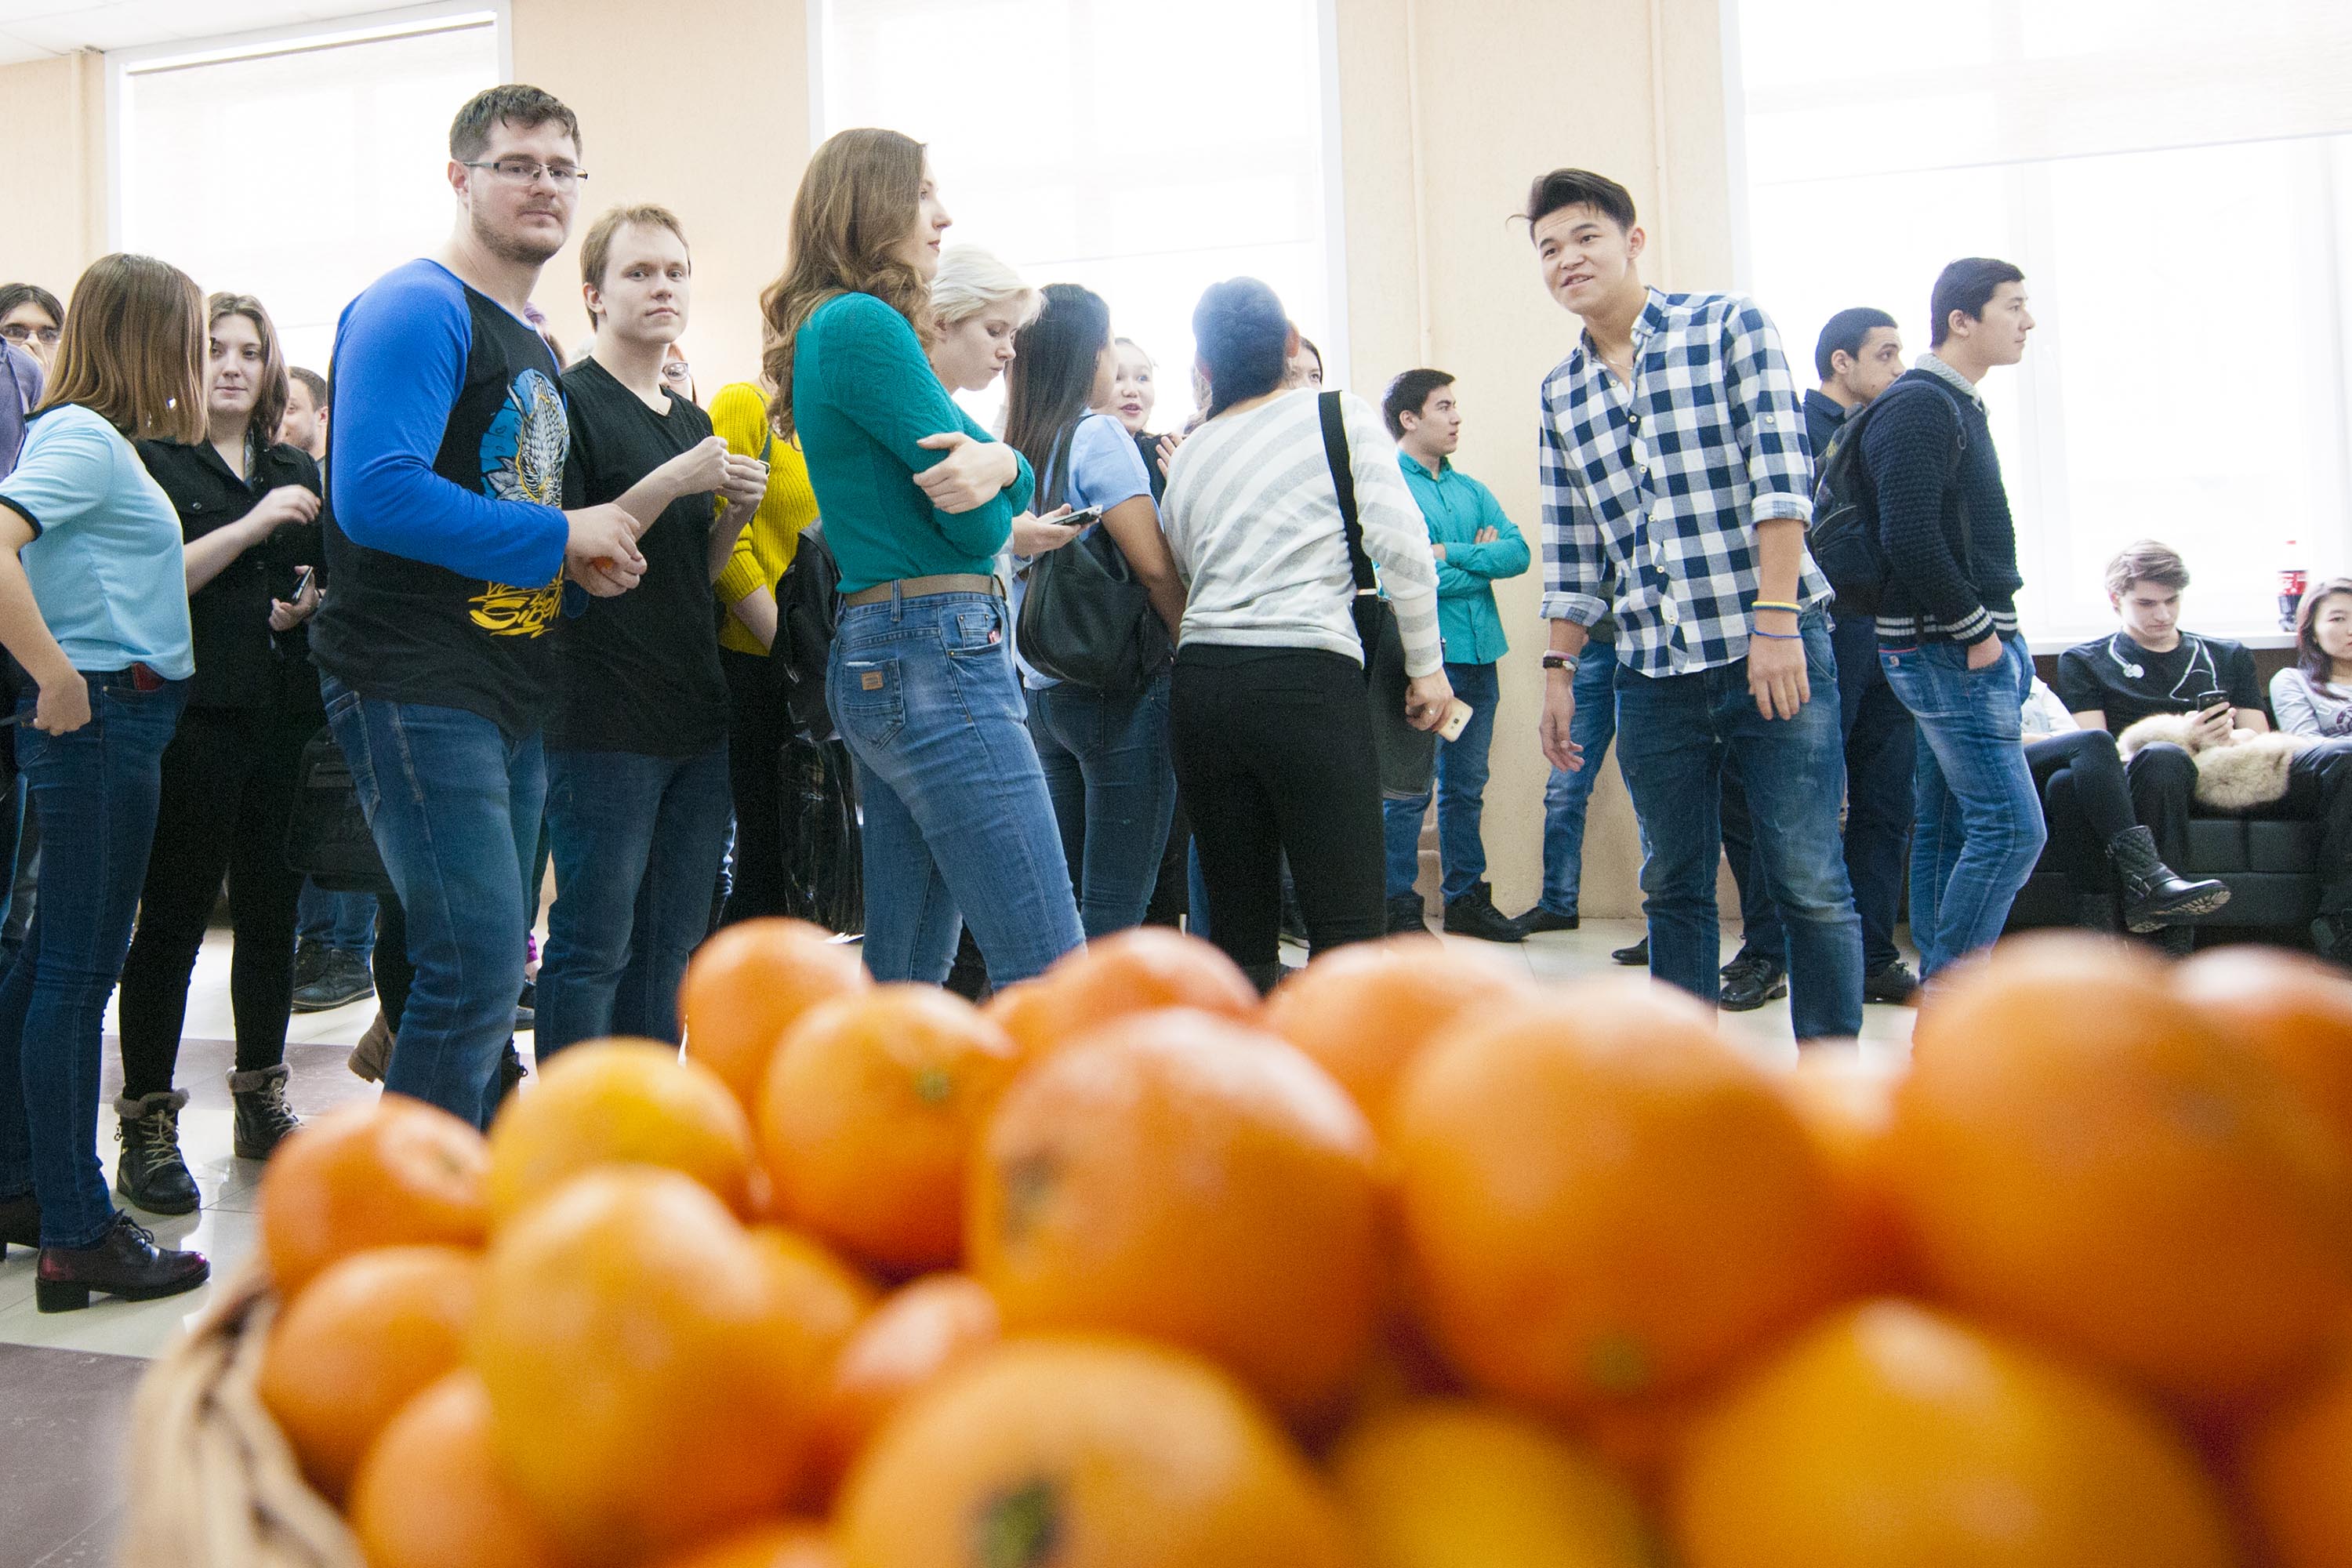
x=527 y=171
x=19 y=332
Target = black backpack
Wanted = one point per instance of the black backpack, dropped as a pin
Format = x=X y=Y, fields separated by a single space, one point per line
x=1844 y=536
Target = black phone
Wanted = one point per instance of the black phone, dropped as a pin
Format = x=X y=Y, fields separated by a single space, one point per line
x=302 y=583
x=2207 y=701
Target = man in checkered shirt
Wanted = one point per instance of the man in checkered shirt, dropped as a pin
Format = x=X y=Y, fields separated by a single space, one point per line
x=1677 y=488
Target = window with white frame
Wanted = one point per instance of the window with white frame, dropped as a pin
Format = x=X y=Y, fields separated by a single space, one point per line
x=1144 y=151
x=299 y=169
x=2176 y=182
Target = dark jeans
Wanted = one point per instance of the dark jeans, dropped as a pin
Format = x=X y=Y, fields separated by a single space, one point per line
x=756 y=727
x=229 y=780
x=2085 y=801
x=455 y=804
x=1760 y=930
x=1114 y=789
x=2164 y=784
x=344 y=922
x=637 y=842
x=1675 y=734
x=96 y=788
x=1274 y=751
x=1568 y=796
x=1461 y=795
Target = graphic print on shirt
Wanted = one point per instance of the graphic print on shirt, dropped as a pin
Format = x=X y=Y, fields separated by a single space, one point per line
x=522 y=459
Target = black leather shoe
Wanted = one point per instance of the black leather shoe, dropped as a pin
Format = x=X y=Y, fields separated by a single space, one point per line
x=263 y=1117
x=337 y=979
x=1408 y=916
x=1634 y=957
x=125 y=1264
x=20 y=1223
x=1540 y=918
x=151 y=1175
x=1892 y=983
x=1473 y=914
x=1749 y=985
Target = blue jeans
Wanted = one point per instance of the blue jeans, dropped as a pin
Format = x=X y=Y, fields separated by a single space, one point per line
x=1568 y=795
x=1760 y=930
x=636 y=841
x=1979 y=817
x=1461 y=795
x=1113 y=785
x=1676 y=733
x=958 y=823
x=95 y=789
x=454 y=802
x=344 y=922
x=1881 y=747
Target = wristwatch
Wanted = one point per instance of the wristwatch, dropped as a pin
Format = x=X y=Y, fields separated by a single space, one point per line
x=1555 y=659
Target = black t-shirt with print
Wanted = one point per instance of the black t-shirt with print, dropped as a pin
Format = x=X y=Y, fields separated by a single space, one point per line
x=639 y=672
x=2117 y=675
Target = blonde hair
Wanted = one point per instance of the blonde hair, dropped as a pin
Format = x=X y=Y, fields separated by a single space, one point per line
x=269 y=401
x=596 y=250
x=971 y=280
x=133 y=349
x=858 y=203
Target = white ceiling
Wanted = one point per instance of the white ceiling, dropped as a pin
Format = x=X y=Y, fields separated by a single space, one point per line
x=37 y=29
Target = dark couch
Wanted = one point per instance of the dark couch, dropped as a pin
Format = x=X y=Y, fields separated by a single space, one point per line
x=2266 y=864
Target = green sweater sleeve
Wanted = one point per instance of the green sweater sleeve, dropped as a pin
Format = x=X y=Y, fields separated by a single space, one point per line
x=875 y=374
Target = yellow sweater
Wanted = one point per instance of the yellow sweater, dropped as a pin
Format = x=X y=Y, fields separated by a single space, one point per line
x=766 y=547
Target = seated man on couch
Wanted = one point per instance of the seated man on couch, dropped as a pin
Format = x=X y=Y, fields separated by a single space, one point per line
x=2171 y=698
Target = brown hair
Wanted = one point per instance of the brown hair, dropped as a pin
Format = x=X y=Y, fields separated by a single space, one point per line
x=523 y=107
x=858 y=201
x=596 y=250
x=134 y=350
x=2309 y=656
x=269 y=402
x=2146 y=561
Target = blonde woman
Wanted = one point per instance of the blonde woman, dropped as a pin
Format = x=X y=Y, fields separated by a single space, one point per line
x=94 y=604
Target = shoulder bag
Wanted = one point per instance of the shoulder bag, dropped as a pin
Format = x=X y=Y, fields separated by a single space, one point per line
x=1408 y=756
x=1085 y=617
x=328 y=838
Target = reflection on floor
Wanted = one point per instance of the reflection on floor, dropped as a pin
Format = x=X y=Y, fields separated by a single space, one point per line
x=60 y=1421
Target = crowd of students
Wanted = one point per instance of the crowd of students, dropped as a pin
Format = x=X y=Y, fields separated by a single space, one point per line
x=1086 y=674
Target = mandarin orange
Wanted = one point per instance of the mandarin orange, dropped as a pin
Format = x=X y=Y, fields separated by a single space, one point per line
x=1135 y=970
x=750 y=983
x=927 y=1328
x=381 y=1173
x=432 y=1493
x=613 y=1101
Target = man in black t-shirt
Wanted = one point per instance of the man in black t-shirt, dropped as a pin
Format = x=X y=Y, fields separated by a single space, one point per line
x=638 y=797
x=2150 y=666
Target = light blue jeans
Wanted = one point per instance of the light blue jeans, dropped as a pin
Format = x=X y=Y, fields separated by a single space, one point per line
x=1568 y=795
x=1461 y=795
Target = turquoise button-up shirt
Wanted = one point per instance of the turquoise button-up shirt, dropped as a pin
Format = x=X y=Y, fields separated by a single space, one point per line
x=1455 y=508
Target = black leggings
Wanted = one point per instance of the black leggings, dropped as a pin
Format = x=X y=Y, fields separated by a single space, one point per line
x=2084 y=800
x=757 y=728
x=228 y=786
x=1274 y=755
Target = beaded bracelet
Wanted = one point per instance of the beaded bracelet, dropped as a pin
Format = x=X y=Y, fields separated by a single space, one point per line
x=1779 y=636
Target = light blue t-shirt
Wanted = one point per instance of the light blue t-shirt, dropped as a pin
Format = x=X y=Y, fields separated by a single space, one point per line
x=105 y=566
x=1105 y=468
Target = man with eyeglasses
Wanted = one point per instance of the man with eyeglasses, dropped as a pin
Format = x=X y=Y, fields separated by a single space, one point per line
x=448 y=548
x=31 y=320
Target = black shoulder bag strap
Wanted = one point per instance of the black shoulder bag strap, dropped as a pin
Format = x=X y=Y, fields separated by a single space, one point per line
x=1343 y=479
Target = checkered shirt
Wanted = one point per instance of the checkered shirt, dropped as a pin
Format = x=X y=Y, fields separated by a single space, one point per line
x=1652 y=493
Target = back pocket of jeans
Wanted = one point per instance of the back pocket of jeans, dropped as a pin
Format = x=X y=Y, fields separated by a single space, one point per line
x=873 y=705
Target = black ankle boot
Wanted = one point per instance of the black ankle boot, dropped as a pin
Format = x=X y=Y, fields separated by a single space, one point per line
x=20 y=1223
x=263 y=1117
x=1406 y=916
x=1473 y=914
x=2154 y=893
x=125 y=1263
x=151 y=1173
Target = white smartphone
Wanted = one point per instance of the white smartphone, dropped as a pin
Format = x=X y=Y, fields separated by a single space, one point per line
x=1457 y=719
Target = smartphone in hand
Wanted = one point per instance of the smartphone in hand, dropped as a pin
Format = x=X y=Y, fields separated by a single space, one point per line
x=1458 y=714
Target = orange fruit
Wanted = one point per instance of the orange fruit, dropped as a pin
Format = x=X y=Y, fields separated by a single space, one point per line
x=377 y=1174
x=749 y=983
x=868 y=1118
x=2293 y=1010
x=1603 y=1200
x=1180 y=1176
x=615 y=1101
x=652 y=1366
x=1847 y=1105
x=2079 y=1154
x=432 y=1493
x=1366 y=1010
x=1086 y=1453
x=779 y=1545
x=1454 y=1484
x=938 y=1323
x=367 y=1335
x=1893 y=1436
x=2299 y=1474
x=1132 y=971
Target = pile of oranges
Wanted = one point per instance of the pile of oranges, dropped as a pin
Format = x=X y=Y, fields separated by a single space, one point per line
x=1420 y=1264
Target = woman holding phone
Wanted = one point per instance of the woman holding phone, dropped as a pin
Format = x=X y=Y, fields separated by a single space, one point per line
x=248 y=511
x=916 y=500
x=94 y=605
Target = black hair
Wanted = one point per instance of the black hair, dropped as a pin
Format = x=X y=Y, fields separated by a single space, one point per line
x=1578 y=187
x=15 y=294
x=1052 y=372
x=1307 y=343
x=1845 y=333
x=1967 y=286
x=518 y=105
x=1409 y=394
x=1241 y=331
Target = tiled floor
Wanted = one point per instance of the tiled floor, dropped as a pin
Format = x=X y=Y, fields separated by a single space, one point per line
x=66 y=1378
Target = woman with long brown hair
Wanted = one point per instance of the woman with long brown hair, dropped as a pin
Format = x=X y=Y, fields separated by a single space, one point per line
x=94 y=604
x=2313 y=695
x=916 y=500
x=248 y=511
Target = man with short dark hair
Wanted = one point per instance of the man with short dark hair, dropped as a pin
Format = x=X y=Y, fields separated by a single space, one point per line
x=447 y=552
x=1677 y=491
x=1476 y=545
